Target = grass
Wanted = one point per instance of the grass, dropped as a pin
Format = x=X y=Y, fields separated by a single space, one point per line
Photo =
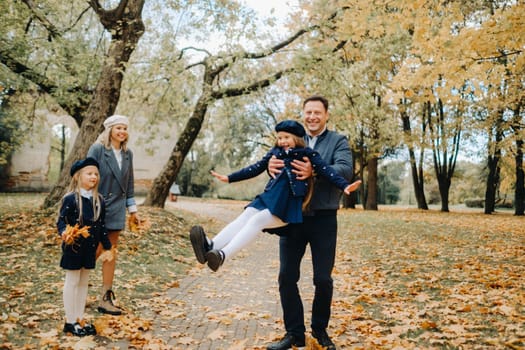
x=425 y=279
x=31 y=280
x=404 y=278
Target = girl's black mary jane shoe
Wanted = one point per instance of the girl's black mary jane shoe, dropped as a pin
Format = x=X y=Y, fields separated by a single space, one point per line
x=74 y=329
x=90 y=329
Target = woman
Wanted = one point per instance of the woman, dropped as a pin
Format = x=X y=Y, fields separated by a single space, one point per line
x=116 y=185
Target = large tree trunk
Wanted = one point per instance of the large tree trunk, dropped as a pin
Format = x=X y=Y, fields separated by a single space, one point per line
x=351 y=200
x=444 y=164
x=416 y=170
x=444 y=190
x=519 y=194
x=492 y=183
x=125 y=24
x=159 y=191
x=493 y=165
x=371 y=198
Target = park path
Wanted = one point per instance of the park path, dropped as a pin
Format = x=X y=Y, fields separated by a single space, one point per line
x=236 y=307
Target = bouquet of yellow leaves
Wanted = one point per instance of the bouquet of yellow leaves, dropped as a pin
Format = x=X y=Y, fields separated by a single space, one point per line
x=138 y=225
x=71 y=233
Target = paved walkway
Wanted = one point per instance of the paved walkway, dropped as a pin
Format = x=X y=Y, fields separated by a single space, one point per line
x=237 y=307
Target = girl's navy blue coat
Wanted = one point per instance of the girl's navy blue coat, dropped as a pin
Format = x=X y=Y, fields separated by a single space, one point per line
x=299 y=188
x=82 y=253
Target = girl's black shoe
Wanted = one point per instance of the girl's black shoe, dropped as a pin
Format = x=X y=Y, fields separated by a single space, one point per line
x=90 y=329
x=74 y=329
x=215 y=259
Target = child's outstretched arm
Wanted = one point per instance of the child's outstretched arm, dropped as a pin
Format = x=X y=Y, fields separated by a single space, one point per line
x=221 y=177
x=353 y=186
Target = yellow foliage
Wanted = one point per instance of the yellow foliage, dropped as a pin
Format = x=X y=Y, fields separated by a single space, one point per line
x=138 y=226
x=72 y=233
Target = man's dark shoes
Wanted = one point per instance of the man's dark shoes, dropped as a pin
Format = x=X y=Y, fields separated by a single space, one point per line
x=199 y=243
x=74 y=329
x=215 y=259
x=323 y=339
x=287 y=342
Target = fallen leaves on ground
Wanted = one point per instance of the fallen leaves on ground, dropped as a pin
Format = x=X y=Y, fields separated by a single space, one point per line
x=31 y=281
x=404 y=279
x=422 y=279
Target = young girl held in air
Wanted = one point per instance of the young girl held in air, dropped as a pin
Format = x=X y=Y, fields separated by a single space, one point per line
x=281 y=203
x=81 y=227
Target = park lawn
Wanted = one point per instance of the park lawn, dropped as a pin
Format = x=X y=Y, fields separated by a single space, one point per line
x=410 y=279
x=404 y=278
x=31 y=281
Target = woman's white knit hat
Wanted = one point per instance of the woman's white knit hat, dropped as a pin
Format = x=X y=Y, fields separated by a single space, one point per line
x=116 y=119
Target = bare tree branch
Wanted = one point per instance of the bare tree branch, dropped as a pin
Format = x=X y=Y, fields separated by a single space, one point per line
x=21 y=69
x=502 y=55
x=183 y=50
x=73 y=104
x=50 y=27
x=276 y=47
x=78 y=19
x=247 y=89
x=292 y=38
x=110 y=18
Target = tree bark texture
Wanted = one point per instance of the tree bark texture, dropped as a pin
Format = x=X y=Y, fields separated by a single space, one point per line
x=444 y=156
x=416 y=170
x=519 y=194
x=371 y=198
x=156 y=196
x=493 y=159
x=125 y=24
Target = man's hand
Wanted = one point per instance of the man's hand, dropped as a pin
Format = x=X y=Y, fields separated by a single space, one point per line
x=274 y=166
x=303 y=169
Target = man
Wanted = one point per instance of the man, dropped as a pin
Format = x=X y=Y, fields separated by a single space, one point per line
x=319 y=230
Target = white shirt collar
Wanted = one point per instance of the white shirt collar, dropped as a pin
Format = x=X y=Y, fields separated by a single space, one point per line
x=312 y=140
x=86 y=193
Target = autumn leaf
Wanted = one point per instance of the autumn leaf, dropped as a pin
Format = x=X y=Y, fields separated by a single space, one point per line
x=72 y=233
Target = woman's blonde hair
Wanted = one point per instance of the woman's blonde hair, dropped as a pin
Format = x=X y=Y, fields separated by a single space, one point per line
x=301 y=143
x=105 y=139
x=74 y=187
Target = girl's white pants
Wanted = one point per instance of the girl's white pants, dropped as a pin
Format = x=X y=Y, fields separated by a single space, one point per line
x=244 y=229
x=75 y=294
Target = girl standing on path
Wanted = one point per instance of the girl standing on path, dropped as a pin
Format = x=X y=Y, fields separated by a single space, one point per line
x=82 y=210
x=117 y=187
x=281 y=203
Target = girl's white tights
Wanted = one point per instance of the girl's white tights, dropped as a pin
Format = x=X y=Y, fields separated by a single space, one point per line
x=243 y=230
x=75 y=294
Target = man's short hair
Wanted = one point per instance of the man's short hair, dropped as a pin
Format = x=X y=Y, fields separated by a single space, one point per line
x=319 y=98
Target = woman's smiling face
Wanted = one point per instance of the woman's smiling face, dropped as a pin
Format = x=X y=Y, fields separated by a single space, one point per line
x=119 y=133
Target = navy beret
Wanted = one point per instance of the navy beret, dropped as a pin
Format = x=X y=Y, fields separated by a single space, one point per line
x=292 y=127
x=79 y=164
